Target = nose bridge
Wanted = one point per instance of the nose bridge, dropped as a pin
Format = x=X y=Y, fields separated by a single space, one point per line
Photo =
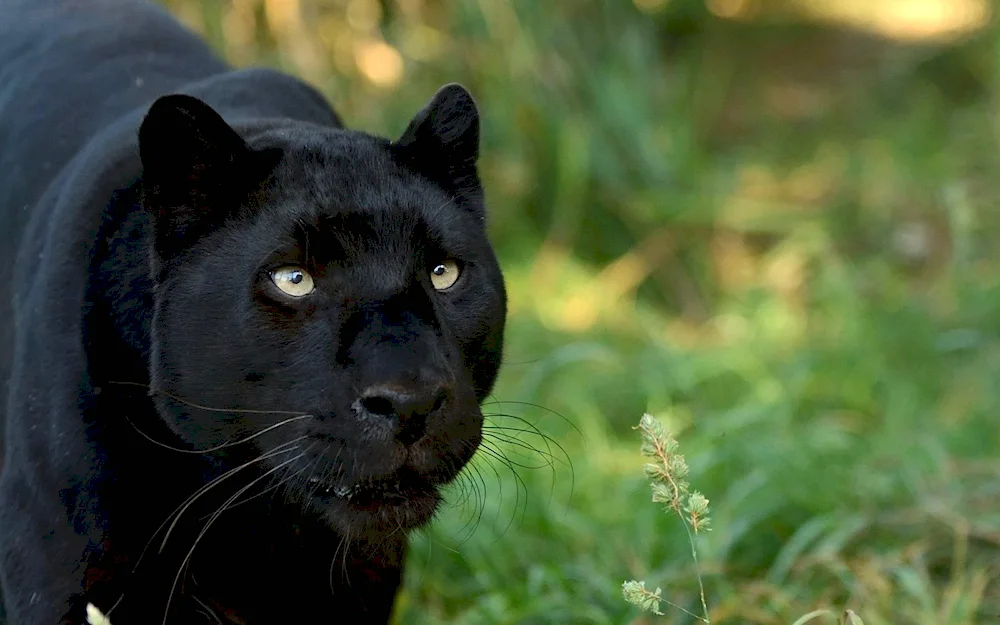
x=385 y=280
x=403 y=374
x=396 y=341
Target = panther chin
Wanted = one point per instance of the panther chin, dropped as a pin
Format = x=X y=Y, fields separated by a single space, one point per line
x=376 y=508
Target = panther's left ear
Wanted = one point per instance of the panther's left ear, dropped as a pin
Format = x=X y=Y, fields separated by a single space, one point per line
x=441 y=142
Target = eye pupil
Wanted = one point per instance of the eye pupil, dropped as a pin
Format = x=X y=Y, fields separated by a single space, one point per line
x=295 y=277
x=440 y=270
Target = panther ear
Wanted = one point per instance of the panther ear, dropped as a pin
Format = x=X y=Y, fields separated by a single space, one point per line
x=192 y=163
x=441 y=142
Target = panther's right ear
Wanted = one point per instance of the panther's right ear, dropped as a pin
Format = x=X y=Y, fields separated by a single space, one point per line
x=195 y=168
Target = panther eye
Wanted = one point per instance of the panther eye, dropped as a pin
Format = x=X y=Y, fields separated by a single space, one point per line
x=293 y=281
x=445 y=275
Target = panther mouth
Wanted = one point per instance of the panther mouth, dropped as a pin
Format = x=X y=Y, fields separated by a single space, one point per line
x=397 y=491
x=341 y=492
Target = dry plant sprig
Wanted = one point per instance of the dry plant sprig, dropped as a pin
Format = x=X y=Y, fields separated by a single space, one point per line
x=666 y=474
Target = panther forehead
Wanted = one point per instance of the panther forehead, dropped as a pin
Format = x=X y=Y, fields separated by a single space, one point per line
x=397 y=211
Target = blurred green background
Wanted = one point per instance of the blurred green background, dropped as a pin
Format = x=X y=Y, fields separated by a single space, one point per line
x=772 y=224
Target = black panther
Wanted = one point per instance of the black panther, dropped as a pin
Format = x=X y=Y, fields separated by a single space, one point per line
x=242 y=347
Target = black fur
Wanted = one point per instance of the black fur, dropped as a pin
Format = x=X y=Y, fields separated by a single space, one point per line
x=148 y=193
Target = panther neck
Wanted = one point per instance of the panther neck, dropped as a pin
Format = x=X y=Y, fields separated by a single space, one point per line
x=120 y=291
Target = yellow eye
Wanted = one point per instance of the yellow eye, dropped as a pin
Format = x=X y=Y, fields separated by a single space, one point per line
x=443 y=276
x=293 y=281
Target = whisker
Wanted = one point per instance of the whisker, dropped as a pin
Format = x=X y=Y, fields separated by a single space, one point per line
x=529 y=427
x=468 y=487
x=286 y=447
x=514 y=463
x=549 y=443
x=331 y=469
x=344 y=543
x=520 y=484
x=333 y=564
x=215 y=517
x=480 y=502
x=179 y=510
x=223 y=445
x=488 y=454
x=312 y=472
x=566 y=420
x=199 y=406
x=208 y=611
x=516 y=442
x=281 y=482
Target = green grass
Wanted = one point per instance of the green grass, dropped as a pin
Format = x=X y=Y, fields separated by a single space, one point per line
x=705 y=220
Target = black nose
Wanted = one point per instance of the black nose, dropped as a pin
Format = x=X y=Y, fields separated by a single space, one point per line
x=408 y=406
